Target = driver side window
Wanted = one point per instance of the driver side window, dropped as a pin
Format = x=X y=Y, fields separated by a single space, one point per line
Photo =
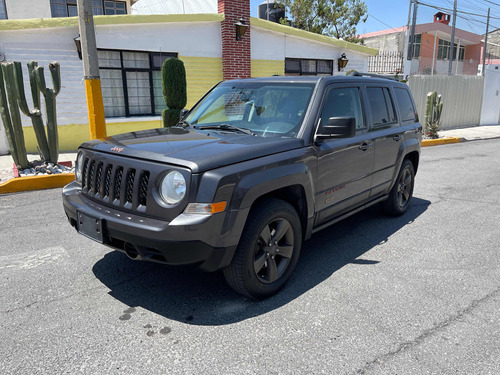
x=343 y=102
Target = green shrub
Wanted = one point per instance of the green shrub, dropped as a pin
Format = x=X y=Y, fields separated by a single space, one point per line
x=174 y=90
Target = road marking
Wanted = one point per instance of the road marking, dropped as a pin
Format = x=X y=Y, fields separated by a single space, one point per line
x=26 y=261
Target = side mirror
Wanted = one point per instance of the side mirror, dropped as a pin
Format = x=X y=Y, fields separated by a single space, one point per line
x=337 y=127
x=183 y=113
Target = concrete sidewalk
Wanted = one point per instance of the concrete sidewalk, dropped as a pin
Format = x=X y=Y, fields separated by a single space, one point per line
x=473 y=133
x=465 y=134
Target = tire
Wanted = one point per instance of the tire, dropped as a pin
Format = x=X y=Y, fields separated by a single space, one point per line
x=402 y=191
x=258 y=270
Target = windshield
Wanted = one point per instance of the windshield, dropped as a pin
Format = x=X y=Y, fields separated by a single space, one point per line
x=266 y=109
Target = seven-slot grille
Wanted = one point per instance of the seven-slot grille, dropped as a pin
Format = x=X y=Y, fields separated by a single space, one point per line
x=115 y=184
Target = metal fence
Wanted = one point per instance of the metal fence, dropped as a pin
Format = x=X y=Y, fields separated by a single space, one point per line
x=386 y=62
x=462 y=97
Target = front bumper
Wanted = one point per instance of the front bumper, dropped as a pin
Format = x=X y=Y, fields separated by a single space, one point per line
x=188 y=239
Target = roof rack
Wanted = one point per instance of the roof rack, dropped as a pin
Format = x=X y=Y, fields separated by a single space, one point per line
x=359 y=74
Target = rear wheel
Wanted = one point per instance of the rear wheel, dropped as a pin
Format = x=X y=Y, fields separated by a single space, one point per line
x=402 y=191
x=268 y=250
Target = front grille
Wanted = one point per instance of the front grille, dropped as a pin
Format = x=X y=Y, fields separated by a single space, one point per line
x=143 y=188
x=90 y=182
x=118 y=183
x=107 y=181
x=84 y=172
x=129 y=190
x=115 y=184
x=98 y=178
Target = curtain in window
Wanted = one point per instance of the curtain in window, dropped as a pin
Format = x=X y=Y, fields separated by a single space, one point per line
x=112 y=92
x=139 y=93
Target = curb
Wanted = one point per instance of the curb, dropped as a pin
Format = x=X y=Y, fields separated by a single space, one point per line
x=15 y=185
x=441 y=141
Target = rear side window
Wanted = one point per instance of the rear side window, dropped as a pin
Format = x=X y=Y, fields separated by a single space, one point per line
x=381 y=106
x=343 y=102
x=405 y=105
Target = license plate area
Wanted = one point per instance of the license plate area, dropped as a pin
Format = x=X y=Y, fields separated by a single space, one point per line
x=90 y=227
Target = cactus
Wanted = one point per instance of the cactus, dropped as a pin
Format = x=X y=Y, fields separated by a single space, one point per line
x=35 y=114
x=12 y=117
x=50 y=105
x=433 y=110
x=174 y=90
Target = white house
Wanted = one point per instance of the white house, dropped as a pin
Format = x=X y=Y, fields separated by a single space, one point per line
x=132 y=48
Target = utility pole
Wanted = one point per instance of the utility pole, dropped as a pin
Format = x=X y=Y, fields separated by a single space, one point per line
x=485 y=43
x=406 y=47
x=413 y=26
x=452 y=46
x=97 y=124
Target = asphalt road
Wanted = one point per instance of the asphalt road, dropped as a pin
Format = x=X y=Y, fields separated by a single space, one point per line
x=418 y=294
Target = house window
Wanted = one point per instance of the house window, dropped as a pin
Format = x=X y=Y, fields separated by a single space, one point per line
x=67 y=8
x=131 y=82
x=115 y=7
x=3 y=10
x=308 y=67
x=444 y=51
x=416 y=45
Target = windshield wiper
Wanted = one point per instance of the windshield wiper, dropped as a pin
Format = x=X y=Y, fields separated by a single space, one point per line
x=226 y=127
x=184 y=124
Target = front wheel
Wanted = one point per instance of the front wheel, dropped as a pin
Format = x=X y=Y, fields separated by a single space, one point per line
x=402 y=191
x=268 y=250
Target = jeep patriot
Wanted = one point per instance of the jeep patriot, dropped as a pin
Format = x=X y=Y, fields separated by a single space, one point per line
x=249 y=173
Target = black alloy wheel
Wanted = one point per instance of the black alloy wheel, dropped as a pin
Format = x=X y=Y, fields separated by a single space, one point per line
x=268 y=250
x=402 y=191
x=273 y=250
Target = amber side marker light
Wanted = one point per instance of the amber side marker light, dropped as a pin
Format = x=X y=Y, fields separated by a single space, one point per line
x=205 y=208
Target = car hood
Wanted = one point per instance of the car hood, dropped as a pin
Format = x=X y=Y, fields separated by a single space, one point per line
x=197 y=150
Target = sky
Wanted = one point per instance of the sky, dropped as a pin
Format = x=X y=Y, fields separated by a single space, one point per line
x=386 y=14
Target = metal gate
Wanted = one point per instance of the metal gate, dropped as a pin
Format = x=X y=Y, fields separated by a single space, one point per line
x=462 y=97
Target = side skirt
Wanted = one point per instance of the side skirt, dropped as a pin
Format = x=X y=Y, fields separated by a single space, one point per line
x=342 y=217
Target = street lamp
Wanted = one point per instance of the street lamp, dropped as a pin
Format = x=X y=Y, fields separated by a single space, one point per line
x=342 y=61
x=241 y=28
x=78 y=44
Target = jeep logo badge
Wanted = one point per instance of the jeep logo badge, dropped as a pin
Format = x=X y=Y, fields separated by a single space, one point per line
x=117 y=149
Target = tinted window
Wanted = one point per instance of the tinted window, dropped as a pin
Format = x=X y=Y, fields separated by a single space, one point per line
x=343 y=102
x=405 y=105
x=380 y=102
x=3 y=10
x=390 y=105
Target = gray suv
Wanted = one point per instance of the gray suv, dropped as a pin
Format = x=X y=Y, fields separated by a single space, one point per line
x=250 y=172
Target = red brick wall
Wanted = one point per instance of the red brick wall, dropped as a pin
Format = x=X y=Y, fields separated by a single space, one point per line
x=472 y=52
x=426 y=53
x=235 y=53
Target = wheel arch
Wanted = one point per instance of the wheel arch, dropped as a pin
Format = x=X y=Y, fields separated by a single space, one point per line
x=414 y=157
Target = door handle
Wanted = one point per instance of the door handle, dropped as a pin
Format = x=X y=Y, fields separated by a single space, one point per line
x=397 y=137
x=365 y=146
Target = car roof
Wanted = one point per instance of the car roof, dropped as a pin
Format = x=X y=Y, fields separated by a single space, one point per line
x=316 y=79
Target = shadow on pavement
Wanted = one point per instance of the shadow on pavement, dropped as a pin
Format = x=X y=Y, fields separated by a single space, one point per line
x=188 y=295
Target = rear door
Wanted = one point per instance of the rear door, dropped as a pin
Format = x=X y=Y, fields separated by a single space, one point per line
x=385 y=128
x=344 y=165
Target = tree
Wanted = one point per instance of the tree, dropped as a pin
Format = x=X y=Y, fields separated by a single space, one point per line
x=337 y=18
x=174 y=90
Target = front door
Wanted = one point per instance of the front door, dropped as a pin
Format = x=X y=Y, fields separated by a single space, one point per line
x=344 y=165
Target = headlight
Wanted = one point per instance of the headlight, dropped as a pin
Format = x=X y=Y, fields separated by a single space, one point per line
x=79 y=167
x=173 y=187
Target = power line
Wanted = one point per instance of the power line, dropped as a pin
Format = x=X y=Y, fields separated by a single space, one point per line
x=382 y=22
x=458 y=11
x=491 y=2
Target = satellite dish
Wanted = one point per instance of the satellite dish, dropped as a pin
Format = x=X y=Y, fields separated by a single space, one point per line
x=2 y=57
